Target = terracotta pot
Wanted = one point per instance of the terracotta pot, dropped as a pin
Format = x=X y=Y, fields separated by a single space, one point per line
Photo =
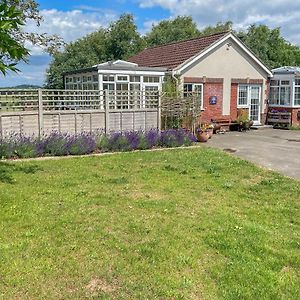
x=202 y=136
x=210 y=132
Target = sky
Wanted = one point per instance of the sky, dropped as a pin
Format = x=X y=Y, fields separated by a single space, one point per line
x=74 y=19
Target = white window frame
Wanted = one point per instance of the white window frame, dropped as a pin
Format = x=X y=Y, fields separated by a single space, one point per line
x=281 y=78
x=193 y=90
x=248 y=96
x=294 y=92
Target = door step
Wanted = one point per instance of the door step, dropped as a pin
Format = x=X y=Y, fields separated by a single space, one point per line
x=261 y=127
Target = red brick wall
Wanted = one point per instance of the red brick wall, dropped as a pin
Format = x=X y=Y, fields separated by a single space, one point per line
x=233 y=101
x=212 y=111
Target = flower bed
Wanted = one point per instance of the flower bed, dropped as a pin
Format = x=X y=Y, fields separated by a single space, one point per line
x=58 y=144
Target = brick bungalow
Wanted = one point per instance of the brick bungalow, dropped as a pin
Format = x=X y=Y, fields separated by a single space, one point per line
x=220 y=68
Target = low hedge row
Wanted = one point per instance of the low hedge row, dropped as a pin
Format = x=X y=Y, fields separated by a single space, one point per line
x=57 y=144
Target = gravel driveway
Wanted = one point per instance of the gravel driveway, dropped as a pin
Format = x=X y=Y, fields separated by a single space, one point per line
x=275 y=149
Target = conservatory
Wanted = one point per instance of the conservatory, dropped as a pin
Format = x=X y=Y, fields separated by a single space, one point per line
x=284 y=99
x=115 y=76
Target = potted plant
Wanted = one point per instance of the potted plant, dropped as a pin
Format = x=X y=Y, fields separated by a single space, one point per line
x=202 y=134
x=243 y=122
x=210 y=130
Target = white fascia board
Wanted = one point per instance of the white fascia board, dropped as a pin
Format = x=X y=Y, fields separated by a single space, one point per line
x=124 y=62
x=131 y=72
x=189 y=62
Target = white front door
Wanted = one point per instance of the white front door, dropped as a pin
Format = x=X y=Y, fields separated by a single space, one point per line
x=249 y=97
x=254 y=104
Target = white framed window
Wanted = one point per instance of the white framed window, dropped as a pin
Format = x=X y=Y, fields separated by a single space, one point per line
x=122 y=78
x=297 y=92
x=280 y=92
x=243 y=95
x=151 y=79
x=194 y=89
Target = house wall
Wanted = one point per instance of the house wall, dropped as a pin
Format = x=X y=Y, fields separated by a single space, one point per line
x=229 y=61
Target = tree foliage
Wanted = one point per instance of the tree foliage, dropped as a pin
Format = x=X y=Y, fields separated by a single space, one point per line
x=119 y=41
x=13 y=16
x=11 y=51
x=270 y=46
x=167 y=31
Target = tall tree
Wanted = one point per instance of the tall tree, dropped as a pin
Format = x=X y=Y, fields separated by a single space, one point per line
x=123 y=39
x=270 y=46
x=166 y=31
x=119 y=41
x=219 y=27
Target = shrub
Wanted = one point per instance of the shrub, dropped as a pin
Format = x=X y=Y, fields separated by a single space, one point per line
x=67 y=144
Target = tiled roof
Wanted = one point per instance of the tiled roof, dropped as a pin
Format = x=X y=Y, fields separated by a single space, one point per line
x=172 y=55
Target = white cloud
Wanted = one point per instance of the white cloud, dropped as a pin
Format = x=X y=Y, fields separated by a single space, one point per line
x=282 y=13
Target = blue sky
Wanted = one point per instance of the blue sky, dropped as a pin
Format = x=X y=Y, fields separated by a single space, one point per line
x=74 y=19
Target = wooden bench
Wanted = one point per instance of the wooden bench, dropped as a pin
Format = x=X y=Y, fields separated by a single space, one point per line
x=220 y=123
x=279 y=119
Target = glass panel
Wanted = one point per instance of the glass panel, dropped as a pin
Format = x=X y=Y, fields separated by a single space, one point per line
x=274 y=82
x=135 y=78
x=95 y=78
x=285 y=95
x=187 y=90
x=297 y=95
x=135 y=87
x=108 y=78
x=254 y=103
x=243 y=95
x=285 y=82
x=274 y=96
x=122 y=78
x=297 y=81
x=153 y=79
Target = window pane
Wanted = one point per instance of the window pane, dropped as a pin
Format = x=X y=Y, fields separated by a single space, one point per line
x=108 y=78
x=95 y=78
x=187 y=90
x=243 y=95
x=151 y=88
x=274 y=96
x=297 y=81
x=108 y=86
x=274 y=83
x=153 y=79
x=285 y=95
x=135 y=87
x=285 y=82
x=122 y=78
x=135 y=78
x=297 y=95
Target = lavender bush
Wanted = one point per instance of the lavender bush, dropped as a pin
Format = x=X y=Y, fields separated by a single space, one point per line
x=57 y=144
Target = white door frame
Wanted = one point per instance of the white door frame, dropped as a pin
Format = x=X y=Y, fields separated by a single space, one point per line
x=248 y=104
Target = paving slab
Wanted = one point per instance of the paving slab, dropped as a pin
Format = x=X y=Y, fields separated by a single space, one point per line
x=274 y=149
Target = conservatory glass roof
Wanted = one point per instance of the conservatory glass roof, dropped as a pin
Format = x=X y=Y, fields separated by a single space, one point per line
x=286 y=70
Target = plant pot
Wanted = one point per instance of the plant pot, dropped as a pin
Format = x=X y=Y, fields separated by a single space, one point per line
x=210 y=132
x=202 y=136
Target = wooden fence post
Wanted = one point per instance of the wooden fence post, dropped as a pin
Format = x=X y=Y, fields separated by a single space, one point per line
x=40 y=112
x=106 y=103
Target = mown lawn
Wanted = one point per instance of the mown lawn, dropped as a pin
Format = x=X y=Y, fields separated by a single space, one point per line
x=175 y=224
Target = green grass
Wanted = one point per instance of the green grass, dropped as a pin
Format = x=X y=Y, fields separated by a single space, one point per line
x=176 y=224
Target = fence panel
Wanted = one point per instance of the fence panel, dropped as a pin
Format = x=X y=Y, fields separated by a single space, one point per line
x=36 y=112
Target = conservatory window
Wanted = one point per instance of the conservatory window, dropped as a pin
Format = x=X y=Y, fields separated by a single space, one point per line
x=151 y=79
x=280 y=92
x=108 y=78
x=297 y=91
